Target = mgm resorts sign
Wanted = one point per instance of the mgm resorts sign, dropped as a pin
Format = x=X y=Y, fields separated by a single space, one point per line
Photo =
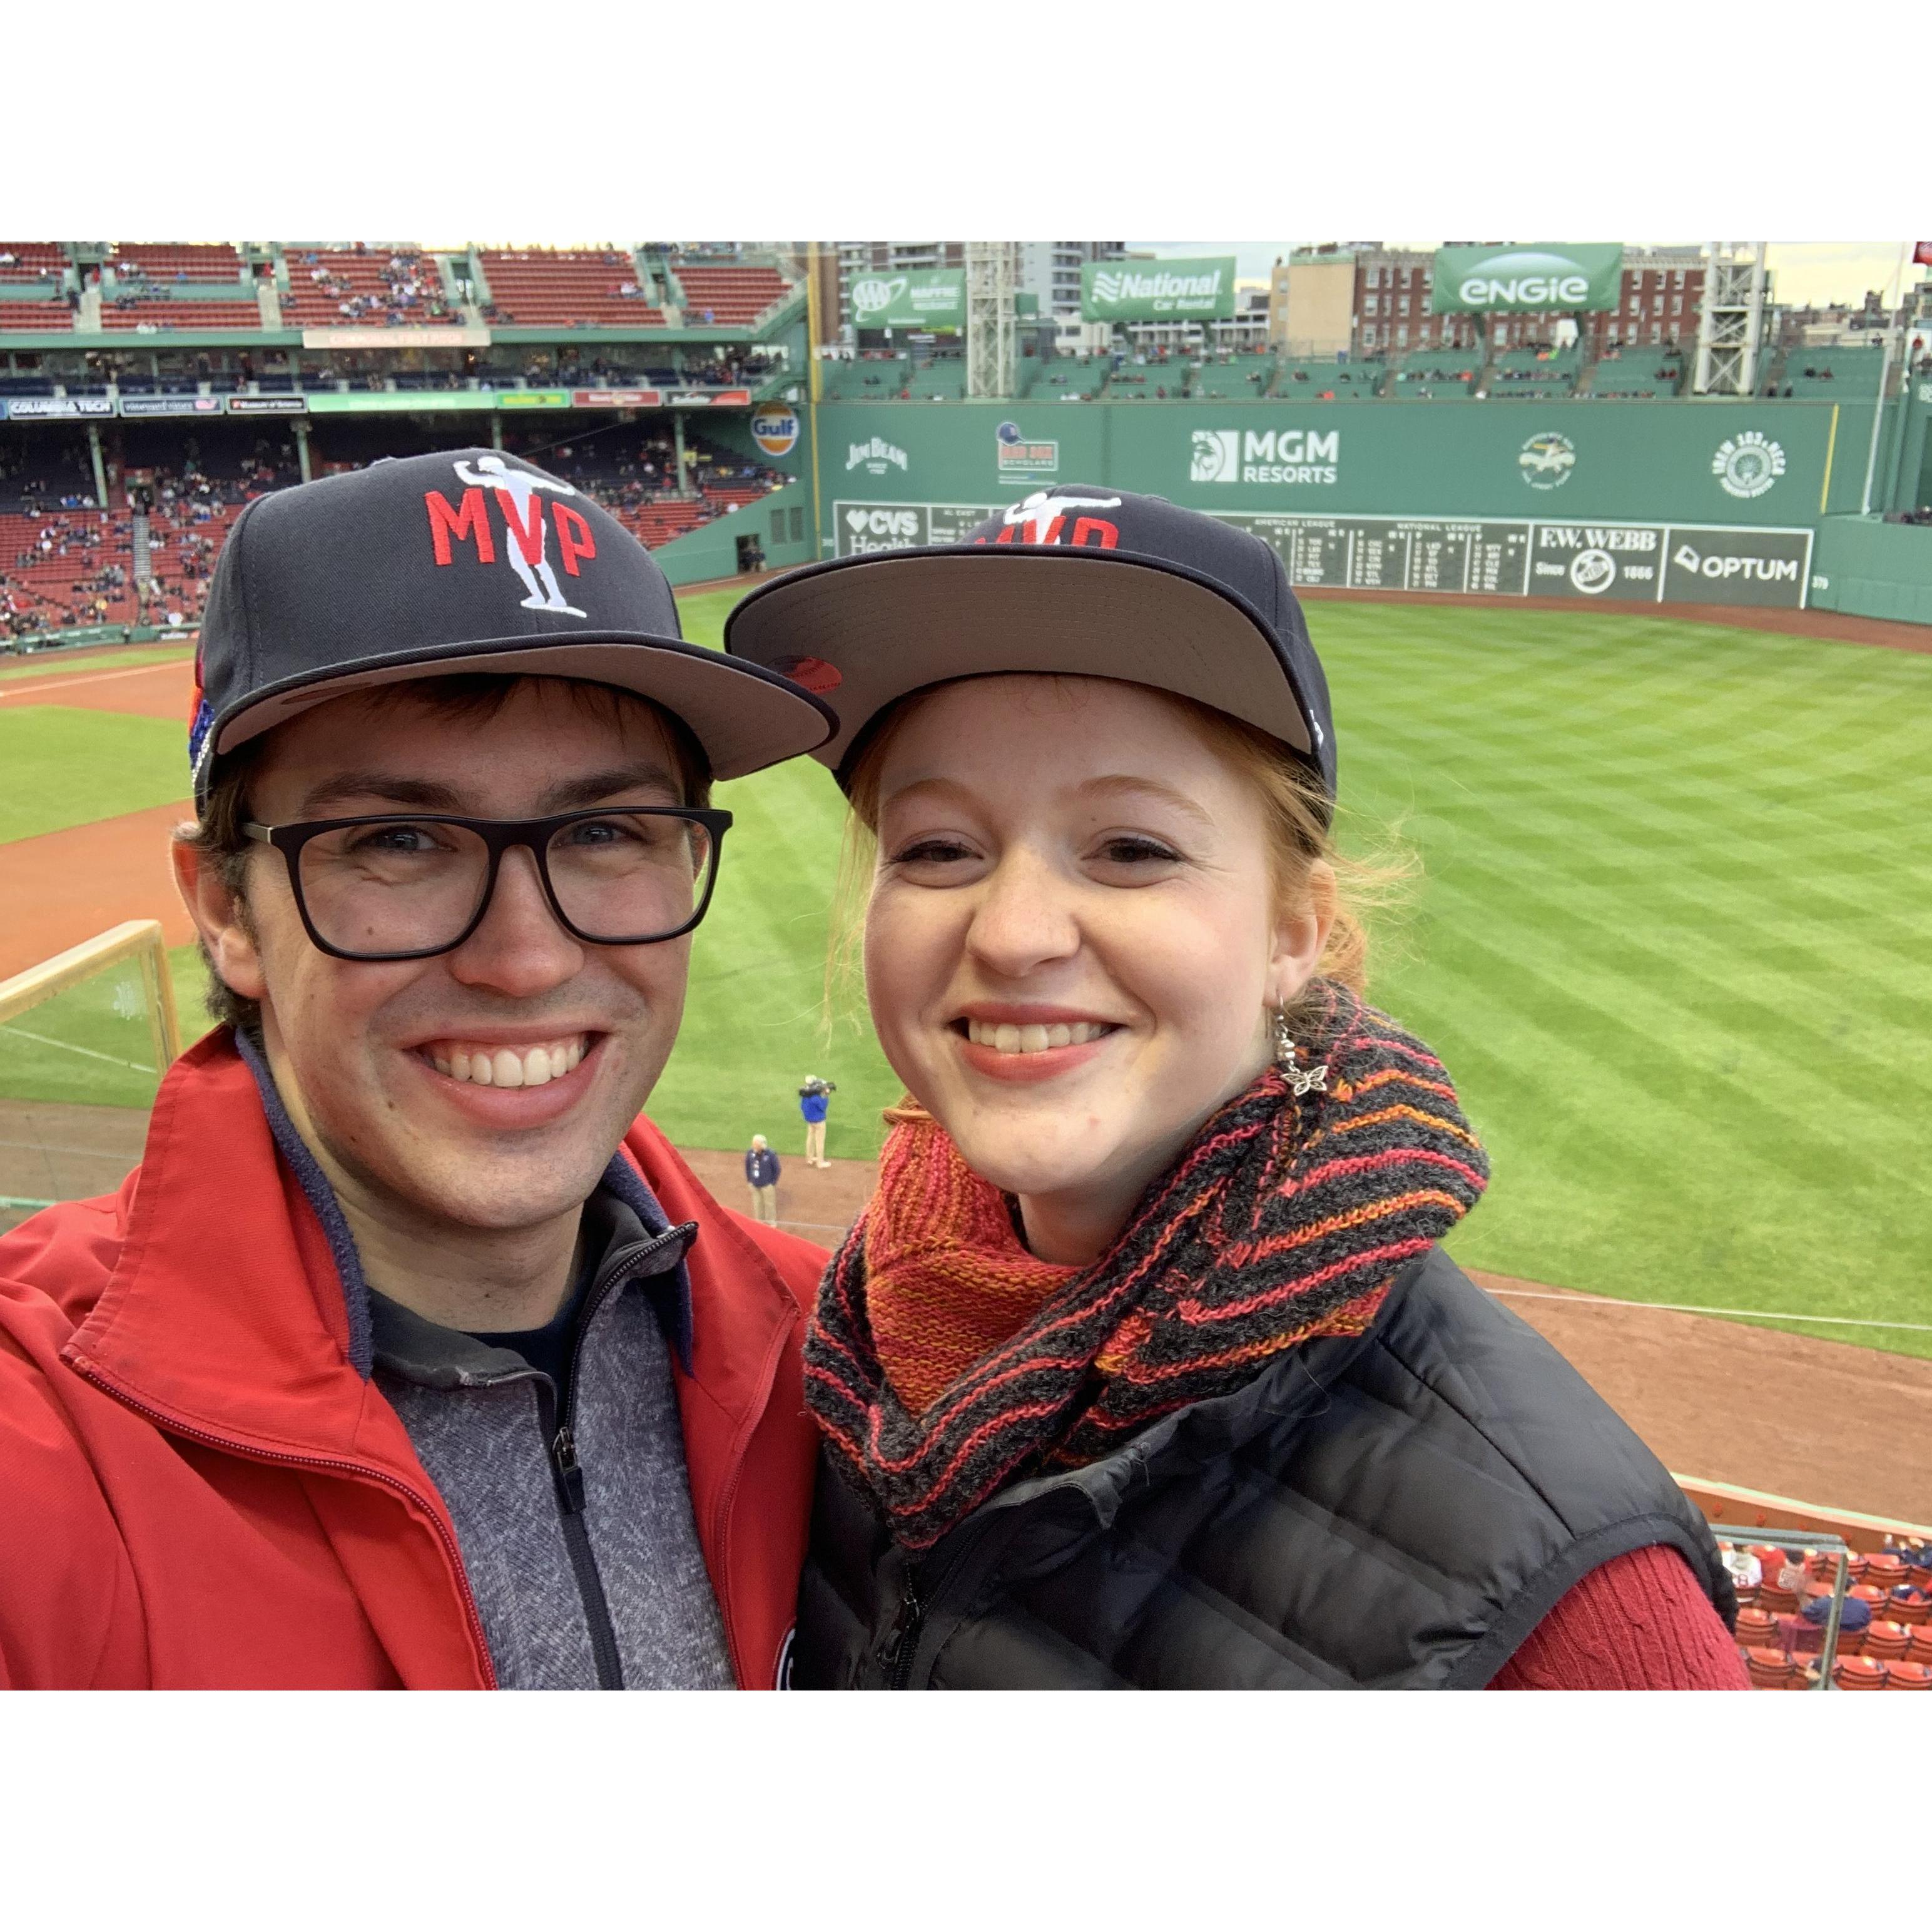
x=1547 y=275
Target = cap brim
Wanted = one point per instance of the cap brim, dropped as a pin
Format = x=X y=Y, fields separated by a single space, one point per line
x=744 y=716
x=894 y=623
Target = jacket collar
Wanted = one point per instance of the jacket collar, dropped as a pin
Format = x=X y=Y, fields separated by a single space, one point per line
x=237 y=1306
x=672 y=1297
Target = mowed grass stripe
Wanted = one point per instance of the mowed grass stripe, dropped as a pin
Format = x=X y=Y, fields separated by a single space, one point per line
x=64 y=766
x=71 y=665
x=1671 y=941
x=1675 y=1047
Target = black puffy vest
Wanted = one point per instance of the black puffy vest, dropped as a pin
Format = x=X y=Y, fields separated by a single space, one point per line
x=1394 y=1510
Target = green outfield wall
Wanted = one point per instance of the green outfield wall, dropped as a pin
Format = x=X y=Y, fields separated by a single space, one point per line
x=780 y=526
x=1708 y=462
x=1678 y=501
x=1869 y=568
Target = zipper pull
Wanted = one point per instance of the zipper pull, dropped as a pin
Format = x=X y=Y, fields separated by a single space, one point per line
x=905 y=1636
x=569 y=1475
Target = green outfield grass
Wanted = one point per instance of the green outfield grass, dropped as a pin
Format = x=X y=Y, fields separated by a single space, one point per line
x=93 y=1044
x=60 y=766
x=77 y=663
x=1672 y=937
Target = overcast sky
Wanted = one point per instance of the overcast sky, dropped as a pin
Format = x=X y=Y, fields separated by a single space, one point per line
x=1805 y=274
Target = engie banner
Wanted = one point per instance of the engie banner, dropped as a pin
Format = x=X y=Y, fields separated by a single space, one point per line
x=933 y=298
x=1540 y=275
x=1201 y=289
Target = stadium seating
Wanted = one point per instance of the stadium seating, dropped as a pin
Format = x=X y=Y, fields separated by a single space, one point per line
x=1833 y=375
x=867 y=379
x=1534 y=375
x=937 y=379
x=143 y=305
x=1328 y=380
x=1635 y=373
x=550 y=288
x=1150 y=381
x=32 y=262
x=394 y=285
x=177 y=261
x=1234 y=378
x=35 y=315
x=731 y=296
x=1438 y=375
x=65 y=568
x=1069 y=378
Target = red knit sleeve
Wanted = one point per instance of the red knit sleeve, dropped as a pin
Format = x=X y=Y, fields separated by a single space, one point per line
x=1639 y=1622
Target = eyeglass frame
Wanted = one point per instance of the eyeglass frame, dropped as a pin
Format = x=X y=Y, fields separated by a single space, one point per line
x=499 y=835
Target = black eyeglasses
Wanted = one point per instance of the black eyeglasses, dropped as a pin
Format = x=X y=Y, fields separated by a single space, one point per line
x=409 y=885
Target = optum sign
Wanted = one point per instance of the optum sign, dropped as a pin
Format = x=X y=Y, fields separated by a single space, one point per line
x=1548 y=276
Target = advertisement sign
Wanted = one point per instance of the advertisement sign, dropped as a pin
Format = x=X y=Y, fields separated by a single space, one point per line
x=171 y=406
x=533 y=399
x=1649 y=563
x=1517 y=278
x=865 y=528
x=1199 y=289
x=1264 y=456
x=708 y=399
x=58 y=408
x=1719 y=564
x=614 y=399
x=930 y=298
x=1612 y=560
x=267 y=405
x=403 y=336
x=1021 y=459
x=775 y=429
x=406 y=402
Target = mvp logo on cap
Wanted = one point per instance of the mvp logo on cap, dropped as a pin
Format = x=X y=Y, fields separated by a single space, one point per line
x=520 y=498
x=1043 y=519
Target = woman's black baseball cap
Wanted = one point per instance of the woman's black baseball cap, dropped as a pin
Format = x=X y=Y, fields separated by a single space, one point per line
x=1078 y=579
x=464 y=560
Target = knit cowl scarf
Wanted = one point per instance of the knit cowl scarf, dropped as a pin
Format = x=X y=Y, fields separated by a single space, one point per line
x=944 y=1362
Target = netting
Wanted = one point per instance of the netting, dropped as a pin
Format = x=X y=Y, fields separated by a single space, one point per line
x=84 y=1039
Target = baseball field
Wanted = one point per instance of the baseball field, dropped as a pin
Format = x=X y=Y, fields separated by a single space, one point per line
x=1672 y=933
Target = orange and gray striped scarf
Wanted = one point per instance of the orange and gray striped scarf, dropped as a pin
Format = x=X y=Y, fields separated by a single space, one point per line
x=943 y=1361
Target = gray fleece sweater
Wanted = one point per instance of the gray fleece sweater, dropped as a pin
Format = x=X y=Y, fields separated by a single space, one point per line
x=576 y=1530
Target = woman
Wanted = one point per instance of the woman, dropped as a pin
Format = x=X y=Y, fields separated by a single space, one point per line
x=1144 y=1367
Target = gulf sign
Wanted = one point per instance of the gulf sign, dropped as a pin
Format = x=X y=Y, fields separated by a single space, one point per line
x=774 y=431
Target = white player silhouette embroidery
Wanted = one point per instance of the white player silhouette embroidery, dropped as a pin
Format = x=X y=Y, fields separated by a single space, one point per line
x=1039 y=511
x=525 y=517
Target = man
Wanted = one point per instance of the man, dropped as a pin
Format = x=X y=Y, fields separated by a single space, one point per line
x=412 y=1354
x=761 y=1173
x=815 y=1102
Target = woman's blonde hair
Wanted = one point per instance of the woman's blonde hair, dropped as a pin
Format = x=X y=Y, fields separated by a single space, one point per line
x=1297 y=814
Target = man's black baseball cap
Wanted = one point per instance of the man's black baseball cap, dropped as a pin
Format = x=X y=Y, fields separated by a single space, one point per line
x=1077 y=579
x=465 y=560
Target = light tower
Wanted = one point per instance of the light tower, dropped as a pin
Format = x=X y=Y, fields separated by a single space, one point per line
x=1730 y=328
x=989 y=319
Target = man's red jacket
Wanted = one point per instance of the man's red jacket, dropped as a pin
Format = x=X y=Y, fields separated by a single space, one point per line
x=197 y=1488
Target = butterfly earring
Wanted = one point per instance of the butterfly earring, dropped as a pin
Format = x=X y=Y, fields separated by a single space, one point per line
x=1304 y=1080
